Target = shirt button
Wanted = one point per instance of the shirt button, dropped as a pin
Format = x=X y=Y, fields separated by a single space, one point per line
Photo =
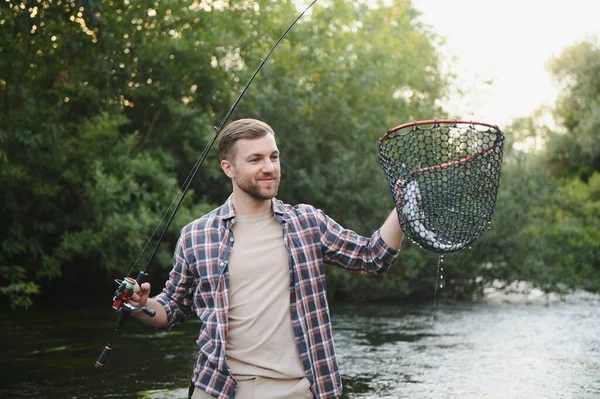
x=221 y=264
x=231 y=239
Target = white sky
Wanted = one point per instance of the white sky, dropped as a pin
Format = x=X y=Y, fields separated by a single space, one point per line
x=509 y=41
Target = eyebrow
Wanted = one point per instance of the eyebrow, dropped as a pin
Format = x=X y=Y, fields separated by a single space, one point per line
x=257 y=154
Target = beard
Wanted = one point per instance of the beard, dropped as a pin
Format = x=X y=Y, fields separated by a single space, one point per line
x=254 y=190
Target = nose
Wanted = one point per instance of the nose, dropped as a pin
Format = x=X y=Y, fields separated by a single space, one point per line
x=268 y=166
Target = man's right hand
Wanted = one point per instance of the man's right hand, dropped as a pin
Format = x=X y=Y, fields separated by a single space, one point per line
x=141 y=298
x=140 y=295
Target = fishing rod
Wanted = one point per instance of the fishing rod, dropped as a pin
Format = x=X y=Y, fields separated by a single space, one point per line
x=126 y=286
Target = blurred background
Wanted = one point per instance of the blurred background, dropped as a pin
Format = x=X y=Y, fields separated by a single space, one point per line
x=105 y=106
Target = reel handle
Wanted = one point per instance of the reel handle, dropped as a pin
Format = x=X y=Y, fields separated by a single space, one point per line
x=149 y=312
x=143 y=277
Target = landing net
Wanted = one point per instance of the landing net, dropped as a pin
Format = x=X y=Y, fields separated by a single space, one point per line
x=444 y=178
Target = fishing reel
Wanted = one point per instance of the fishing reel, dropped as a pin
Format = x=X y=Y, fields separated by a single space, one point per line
x=121 y=302
x=123 y=295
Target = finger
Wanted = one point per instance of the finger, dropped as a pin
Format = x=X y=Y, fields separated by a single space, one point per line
x=136 y=289
x=135 y=298
x=145 y=289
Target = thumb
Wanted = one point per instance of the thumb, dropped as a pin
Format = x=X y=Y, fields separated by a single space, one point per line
x=144 y=294
x=145 y=287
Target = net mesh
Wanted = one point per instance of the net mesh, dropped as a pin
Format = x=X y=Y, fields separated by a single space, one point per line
x=444 y=179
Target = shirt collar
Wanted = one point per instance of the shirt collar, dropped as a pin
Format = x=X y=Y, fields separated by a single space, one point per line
x=226 y=211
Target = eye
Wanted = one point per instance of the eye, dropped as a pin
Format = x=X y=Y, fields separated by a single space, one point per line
x=275 y=157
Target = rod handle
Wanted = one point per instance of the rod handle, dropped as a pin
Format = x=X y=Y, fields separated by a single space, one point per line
x=142 y=277
x=103 y=357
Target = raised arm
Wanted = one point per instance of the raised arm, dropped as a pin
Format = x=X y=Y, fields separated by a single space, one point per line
x=391 y=232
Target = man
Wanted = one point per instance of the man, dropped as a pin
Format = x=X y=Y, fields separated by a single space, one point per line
x=253 y=271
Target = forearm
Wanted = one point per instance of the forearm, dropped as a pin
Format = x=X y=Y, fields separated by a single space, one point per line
x=160 y=318
x=391 y=232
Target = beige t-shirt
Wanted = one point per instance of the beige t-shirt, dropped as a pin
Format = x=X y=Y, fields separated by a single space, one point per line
x=260 y=339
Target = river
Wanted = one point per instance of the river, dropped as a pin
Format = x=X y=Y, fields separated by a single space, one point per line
x=450 y=350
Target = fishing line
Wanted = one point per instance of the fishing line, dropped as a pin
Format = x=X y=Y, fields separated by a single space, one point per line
x=188 y=181
x=126 y=286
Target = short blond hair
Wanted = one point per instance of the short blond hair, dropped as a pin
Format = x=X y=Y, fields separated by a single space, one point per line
x=240 y=129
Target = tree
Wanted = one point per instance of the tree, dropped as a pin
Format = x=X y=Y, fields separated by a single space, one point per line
x=106 y=105
x=84 y=177
x=346 y=75
x=576 y=150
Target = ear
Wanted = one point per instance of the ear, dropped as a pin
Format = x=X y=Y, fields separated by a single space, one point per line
x=228 y=168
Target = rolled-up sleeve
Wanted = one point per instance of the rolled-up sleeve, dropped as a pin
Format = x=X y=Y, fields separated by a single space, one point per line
x=385 y=254
x=350 y=250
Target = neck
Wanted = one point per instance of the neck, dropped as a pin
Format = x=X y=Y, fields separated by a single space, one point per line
x=243 y=204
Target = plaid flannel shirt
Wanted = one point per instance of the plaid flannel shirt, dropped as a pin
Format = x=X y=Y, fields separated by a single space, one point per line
x=199 y=282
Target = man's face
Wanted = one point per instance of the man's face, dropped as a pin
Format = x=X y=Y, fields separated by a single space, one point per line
x=255 y=168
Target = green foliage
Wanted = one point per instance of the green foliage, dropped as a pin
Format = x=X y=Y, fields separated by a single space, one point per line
x=87 y=176
x=343 y=78
x=544 y=231
x=17 y=289
x=106 y=105
x=576 y=149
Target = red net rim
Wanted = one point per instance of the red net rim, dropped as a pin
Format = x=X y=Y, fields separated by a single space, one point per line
x=436 y=122
x=450 y=122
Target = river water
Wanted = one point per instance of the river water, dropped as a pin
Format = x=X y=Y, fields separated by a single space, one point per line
x=453 y=350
